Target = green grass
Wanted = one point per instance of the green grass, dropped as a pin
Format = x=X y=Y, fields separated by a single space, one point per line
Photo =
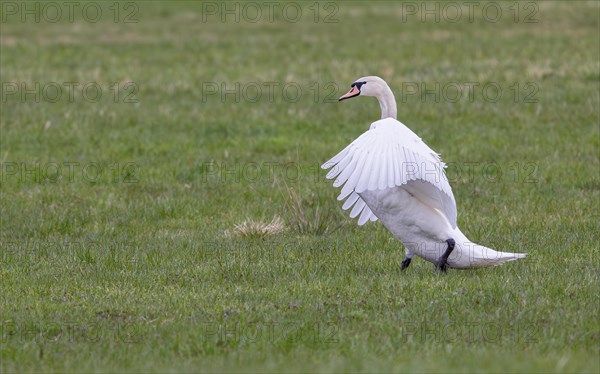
x=114 y=214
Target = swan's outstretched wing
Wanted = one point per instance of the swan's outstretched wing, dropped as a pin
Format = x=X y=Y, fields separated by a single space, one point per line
x=390 y=155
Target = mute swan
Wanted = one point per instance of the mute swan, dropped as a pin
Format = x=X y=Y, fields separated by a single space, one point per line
x=390 y=174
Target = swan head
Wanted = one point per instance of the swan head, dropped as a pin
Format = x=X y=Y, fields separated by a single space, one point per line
x=366 y=86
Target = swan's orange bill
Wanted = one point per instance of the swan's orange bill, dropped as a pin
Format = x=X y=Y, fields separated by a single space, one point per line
x=354 y=91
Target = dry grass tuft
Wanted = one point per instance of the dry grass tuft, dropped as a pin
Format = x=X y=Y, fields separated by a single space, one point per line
x=257 y=229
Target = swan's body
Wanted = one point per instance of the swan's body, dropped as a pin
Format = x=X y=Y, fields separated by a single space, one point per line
x=390 y=174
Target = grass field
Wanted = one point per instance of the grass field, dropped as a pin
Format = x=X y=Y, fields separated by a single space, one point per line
x=118 y=212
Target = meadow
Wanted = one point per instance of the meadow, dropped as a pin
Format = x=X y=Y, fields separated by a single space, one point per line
x=139 y=141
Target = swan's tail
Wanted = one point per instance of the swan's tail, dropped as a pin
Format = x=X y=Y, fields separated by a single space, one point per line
x=483 y=256
x=471 y=255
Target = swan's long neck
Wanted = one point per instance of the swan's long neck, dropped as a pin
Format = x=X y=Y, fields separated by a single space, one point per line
x=387 y=102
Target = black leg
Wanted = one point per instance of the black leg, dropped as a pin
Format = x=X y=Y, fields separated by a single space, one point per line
x=405 y=263
x=442 y=263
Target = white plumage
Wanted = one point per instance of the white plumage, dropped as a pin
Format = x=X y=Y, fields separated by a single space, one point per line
x=389 y=155
x=389 y=173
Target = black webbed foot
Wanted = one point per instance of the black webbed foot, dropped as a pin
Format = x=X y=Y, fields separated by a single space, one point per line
x=441 y=266
x=405 y=263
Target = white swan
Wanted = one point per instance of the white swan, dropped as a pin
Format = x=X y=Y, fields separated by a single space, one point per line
x=390 y=174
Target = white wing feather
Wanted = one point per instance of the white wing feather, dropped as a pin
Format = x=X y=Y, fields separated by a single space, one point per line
x=390 y=155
